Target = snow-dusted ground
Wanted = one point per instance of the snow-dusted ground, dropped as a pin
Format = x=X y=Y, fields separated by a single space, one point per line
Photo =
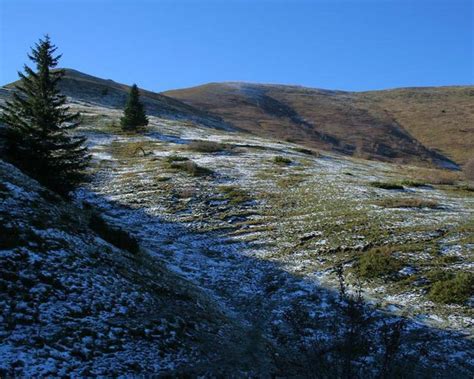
x=236 y=265
x=73 y=305
x=260 y=257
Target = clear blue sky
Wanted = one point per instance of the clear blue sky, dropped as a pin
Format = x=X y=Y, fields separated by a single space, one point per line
x=350 y=45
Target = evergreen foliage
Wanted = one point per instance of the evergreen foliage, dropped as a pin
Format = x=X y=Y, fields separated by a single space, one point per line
x=38 y=125
x=134 y=113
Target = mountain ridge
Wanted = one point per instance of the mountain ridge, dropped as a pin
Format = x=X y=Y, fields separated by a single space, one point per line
x=303 y=86
x=359 y=120
x=395 y=125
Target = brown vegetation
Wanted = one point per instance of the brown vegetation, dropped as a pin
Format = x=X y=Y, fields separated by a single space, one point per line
x=434 y=176
x=407 y=203
x=468 y=170
x=386 y=125
x=203 y=146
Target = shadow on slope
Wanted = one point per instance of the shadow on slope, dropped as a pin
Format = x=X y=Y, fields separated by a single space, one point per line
x=72 y=304
x=294 y=326
x=332 y=120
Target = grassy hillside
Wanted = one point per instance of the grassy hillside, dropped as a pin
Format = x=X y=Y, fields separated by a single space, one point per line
x=441 y=118
x=400 y=126
x=422 y=126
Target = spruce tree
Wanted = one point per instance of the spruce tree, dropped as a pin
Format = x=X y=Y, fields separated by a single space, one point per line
x=134 y=113
x=38 y=125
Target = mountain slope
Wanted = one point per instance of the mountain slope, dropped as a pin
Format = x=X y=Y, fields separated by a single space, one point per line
x=423 y=126
x=381 y=125
x=72 y=304
x=90 y=89
x=240 y=237
x=261 y=225
x=441 y=118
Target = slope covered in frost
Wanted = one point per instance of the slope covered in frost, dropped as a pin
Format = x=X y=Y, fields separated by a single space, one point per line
x=73 y=304
x=261 y=225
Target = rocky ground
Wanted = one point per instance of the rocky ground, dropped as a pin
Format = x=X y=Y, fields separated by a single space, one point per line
x=252 y=231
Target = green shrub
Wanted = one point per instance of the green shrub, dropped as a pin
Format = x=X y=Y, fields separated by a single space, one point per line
x=234 y=194
x=455 y=290
x=113 y=235
x=162 y=178
x=387 y=186
x=207 y=146
x=176 y=158
x=378 y=262
x=447 y=259
x=407 y=203
x=307 y=151
x=437 y=275
x=191 y=168
x=412 y=183
x=281 y=160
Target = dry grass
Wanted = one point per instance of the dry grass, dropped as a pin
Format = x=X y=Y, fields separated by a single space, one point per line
x=207 y=146
x=308 y=152
x=413 y=183
x=434 y=176
x=440 y=118
x=386 y=185
x=468 y=170
x=186 y=192
x=407 y=203
x=123 y=150
x=368 y=124
x=191 y=168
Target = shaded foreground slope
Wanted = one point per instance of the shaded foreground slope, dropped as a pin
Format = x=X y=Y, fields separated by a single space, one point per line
x=401 y=126
x=73 y=304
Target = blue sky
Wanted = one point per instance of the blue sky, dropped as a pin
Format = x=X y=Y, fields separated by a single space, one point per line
x=339 y=44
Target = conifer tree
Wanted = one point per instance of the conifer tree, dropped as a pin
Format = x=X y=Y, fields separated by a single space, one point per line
x=38 y=125
x=134 y=113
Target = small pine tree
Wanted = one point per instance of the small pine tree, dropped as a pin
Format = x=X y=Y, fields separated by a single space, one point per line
x=38 y=124
x=134 y=114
